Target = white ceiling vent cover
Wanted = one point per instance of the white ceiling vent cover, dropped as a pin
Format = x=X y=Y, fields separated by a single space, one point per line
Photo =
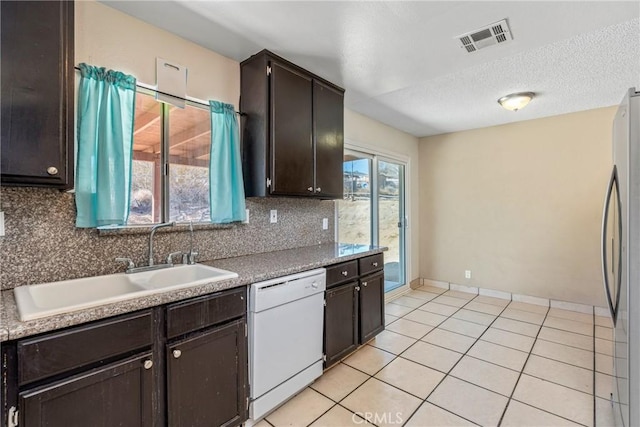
x=496 y=33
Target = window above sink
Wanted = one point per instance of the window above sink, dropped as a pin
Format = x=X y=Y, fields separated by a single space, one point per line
x=170 y=172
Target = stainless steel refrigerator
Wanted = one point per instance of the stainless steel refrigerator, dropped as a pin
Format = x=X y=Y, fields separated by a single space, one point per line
x=621 y=259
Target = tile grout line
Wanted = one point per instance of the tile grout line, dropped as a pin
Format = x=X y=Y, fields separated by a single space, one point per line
x=446 y=374
x=330 y=408
x=547 y=412
x=463 y=354
x=458 y=361
x=566 y=345
x=446 y=410
x=522 y=371
x=412 y=308
x=498 y=344
x=348 y=394
x=458 y=309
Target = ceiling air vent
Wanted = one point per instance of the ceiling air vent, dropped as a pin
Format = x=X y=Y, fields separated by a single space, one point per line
x=496 y=33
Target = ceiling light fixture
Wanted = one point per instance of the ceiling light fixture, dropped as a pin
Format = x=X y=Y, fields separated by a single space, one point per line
x=516 y=101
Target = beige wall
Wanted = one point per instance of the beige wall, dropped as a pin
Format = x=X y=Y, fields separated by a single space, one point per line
x=366 y=134
x=109 y=38
x=520 y=205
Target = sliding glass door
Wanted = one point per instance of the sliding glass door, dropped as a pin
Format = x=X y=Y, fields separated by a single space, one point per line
x=391 y=221
x=355 y=210
x=372 y=211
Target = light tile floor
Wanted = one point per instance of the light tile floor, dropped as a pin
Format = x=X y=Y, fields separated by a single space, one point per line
x=449 y=358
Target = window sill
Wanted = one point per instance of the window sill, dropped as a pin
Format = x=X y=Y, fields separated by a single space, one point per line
x=125 y=230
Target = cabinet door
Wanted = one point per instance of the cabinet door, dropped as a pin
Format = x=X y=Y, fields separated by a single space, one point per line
x=371 y=306
x=340 y=322
x=37 y=93
x=328 y=124
x=291 y=139
x=206 y=378
x=119 y=394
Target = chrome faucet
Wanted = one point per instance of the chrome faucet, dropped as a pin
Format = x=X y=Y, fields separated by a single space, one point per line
x=190 y=257
x=153 y=231
x=187 y=257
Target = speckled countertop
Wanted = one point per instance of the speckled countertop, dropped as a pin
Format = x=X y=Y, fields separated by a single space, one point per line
x=250 y=269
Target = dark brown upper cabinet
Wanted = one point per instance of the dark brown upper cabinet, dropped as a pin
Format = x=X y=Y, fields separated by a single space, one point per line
x=36 y=95
x=293 y=131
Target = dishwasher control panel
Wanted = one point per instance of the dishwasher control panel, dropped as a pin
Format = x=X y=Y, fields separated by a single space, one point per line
x=274 y=292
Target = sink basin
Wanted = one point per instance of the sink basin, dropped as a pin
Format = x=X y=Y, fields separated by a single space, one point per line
x=180 y=276
x=48 y=299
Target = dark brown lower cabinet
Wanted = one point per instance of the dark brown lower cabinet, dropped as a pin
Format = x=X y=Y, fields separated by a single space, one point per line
x=114 y=372
x=354 y=306
x=118 y=394
x=206 y=378
x=340 y=322
x=371 y=306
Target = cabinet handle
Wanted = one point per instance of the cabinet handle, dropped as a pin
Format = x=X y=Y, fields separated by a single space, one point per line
x=310 y=189
x=375 y=264
x=318 y=189
x=176 y=354
x=148 y=364
x=364 y=284
x=345 y=273
x=357 y=288
x=52 y=170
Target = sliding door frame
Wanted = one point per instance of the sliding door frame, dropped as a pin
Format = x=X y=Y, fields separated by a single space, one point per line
x=376 y=153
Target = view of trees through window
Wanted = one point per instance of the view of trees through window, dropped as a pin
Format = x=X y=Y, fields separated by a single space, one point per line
x=142 y=186
x=188 y=143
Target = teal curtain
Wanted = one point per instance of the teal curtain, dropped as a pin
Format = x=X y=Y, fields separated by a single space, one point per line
x=106 y=109
x=226 y=188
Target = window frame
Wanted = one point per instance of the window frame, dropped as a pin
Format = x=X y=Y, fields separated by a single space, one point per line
x=165 y=134
x=375 y=155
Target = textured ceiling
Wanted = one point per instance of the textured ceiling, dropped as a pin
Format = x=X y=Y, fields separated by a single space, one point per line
x=400 y=63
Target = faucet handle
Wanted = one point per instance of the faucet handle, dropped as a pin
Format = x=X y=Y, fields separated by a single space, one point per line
x=171 y=255
x=130 y=264
x=192 y=257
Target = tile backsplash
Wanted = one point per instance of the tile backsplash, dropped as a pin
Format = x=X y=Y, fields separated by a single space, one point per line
x=42 y=244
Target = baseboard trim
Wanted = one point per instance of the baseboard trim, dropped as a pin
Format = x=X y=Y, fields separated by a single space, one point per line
x=435 y=283
x=396 y=293
x=463 y=288
x=564 y=305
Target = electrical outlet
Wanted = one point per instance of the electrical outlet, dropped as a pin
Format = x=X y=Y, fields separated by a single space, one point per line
x=274 y=216
x=325 y=223
x=467 y=274
x=246 y=217
x=1 y=223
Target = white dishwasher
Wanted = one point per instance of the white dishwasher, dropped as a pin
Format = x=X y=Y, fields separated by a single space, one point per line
x=285 y=338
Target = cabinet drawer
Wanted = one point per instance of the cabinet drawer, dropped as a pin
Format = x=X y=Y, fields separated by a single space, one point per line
x=340 y=273
x=371 y=263
x=205 y=311
x=59 y=352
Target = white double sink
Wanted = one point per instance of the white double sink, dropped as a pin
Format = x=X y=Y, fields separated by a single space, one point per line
x=48 y=299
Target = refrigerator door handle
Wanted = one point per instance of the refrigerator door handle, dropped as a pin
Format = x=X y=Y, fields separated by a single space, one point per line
x=605 y=217
x=618 y=276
